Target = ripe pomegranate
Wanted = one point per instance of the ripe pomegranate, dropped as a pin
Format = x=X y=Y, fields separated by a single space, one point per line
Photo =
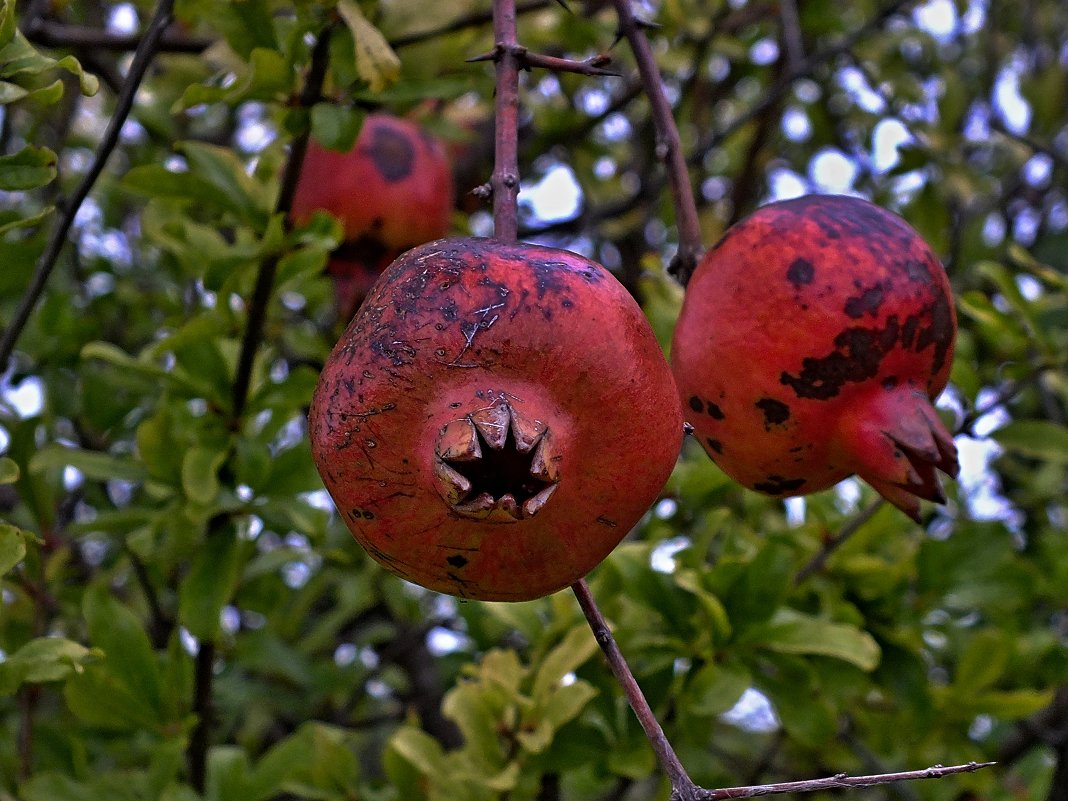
x=812 y=340
x=495 y=418
x=392 y=191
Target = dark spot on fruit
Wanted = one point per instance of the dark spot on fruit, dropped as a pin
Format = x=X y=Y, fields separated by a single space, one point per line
x=714 y=444
x=800 y=273
x=908 y=331
x=775 y=412
x=696 y=405
x=392 y=153
x=777 y=485
x=889 y=382
x=715 y=412
x=917 y=271
x=867 y=302
x=457 y=560
x=940 y=332
x=857 y=355
x=605 y=521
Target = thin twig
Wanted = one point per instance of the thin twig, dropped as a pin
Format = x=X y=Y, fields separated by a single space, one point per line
x=803 y=70
x=50 y=33
x=682 y=786
x=261 y=293
x=472 y=20
x=791 y=33
x=834 y=543
x=204 y=709
x=839 y=781
x=591 y=67
x=669 y=146
x=146 y=51
x=505 y=178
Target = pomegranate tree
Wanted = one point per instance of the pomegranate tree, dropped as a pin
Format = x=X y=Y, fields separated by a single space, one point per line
x=393 y=190
x=496 y=417
x=812 y=341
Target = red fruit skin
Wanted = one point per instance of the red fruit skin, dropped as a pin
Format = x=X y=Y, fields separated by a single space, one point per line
x=353 y=277
x=394 y=187
x=451 y=328
x=811 y=342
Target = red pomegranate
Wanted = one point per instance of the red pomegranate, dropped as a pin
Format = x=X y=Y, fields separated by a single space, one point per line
x=812 y=340
x=495 y=418
x=392 y=191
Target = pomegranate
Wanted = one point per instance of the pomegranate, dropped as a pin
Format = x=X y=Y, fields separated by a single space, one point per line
x=495 y=418
x=392 y=191
x=810 y=345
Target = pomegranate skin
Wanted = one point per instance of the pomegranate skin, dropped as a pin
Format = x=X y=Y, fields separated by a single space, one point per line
x=393 y=190
x=394 y=187
x=495 y=418
x=812 y=340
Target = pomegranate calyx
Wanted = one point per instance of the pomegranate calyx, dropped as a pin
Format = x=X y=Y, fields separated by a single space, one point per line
x=496 y=464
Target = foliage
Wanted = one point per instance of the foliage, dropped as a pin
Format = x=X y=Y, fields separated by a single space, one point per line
x=183 y=616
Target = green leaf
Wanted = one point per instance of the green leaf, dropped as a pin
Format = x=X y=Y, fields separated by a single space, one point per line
x=129 y=656
x=983 y=661
x=420 y=749
x=29 y=168
x=376 y=62
x=1039 y=439
x=95 y=465
x=210 y=584
x=715 y=688
x=566 y=702
x=267 y=77
x=12 y=546
x=336 y=127
x=200 y=469
x=26 y=222
x=791 y=632
x=45 y=659
x=224 y=171
x=577 y=646
x=9 y=470
x=1013 y=704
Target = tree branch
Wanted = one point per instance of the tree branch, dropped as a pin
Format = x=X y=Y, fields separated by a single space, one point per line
x=802 y=70
x=669 y=146
x=146 y=51
x=839 y=781
x=683 y=788
x=261 y=293
x=505 y=178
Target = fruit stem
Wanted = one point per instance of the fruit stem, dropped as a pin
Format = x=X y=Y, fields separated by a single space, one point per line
x=669 y=146
x=682 y=786
x=505 y=179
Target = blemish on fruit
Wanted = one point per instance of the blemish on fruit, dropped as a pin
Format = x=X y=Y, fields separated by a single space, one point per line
x=800 y=272
x=696 y=404
x=714 y=444
x=777 y=485
x=457 y=560
x=867 y=302
x=605 y=521
x=392 y=153
x=856 y=358
x=715 y=412
x=775 y=412
x=889 y=382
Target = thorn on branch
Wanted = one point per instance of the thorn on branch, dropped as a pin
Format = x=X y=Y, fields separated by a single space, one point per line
x=483 y=191
x=593 y=66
